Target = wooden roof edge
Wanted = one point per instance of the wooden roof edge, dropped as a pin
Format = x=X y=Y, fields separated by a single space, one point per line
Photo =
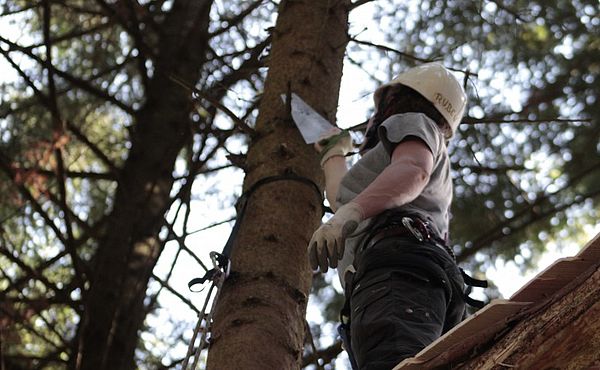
x=591 y=250
x=560 y=274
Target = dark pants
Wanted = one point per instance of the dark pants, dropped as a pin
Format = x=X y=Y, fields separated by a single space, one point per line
x=404 y=295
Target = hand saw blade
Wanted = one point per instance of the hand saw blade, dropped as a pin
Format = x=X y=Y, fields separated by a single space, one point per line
x=310 y=123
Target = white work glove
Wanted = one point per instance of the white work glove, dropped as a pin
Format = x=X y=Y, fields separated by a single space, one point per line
x=334 y=142
x=327 y=244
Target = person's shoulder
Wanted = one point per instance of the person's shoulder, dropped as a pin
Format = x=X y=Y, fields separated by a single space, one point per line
x=399 y=126
x=411 y=123
x=412 y=119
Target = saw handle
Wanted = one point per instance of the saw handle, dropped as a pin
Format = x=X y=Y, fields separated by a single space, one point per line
x=340 y=145
x=329 y=142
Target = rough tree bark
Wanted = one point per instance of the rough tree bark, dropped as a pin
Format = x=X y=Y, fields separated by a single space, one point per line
x=563 y=335
x=259 y=320
x=114 y=311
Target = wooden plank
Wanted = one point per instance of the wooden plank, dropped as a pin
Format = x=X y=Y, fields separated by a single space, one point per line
x=479 y=328
x=591 y=251
x=552 y=279
x=559 y=274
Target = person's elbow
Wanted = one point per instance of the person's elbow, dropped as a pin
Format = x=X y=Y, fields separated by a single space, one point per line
x=419 y=173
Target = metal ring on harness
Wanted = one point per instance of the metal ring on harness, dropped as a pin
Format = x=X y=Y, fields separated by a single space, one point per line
x=408 y=224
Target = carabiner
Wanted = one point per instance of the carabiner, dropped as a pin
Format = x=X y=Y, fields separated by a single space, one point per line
x=408 y=224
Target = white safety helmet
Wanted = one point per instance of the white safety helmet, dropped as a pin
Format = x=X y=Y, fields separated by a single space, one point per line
x=438 y=85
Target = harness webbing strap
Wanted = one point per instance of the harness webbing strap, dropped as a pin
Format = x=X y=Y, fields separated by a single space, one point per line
x=243 y=202
x=471 y=282
x=223 y=258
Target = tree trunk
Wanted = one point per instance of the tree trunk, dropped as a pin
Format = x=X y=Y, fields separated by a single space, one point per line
x=259 y=319
x=114 y=305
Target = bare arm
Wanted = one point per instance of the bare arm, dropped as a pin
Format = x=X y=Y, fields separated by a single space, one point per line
x=335 y=168
x=400 y=182
x=334 y=162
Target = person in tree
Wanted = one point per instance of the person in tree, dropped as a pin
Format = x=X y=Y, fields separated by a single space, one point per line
x=388 y=237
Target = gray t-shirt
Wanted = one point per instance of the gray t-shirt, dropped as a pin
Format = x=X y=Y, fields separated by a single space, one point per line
x=432 y=204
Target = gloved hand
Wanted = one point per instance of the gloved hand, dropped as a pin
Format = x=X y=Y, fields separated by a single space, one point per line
x=332 y=143
x=327 y=244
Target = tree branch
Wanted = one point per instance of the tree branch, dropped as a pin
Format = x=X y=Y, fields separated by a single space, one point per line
x=238 y=18
x=71 y=174
x=80 y=9
x=58 y=133
x=76 y=82
x=68 y=36
x=112 y=168
x=70 y=247
x=475 y=121
x=142 y=47
x=20 y=10
x=8 y=110
x=326 y=354
x=24 y=322
x=480 y=169
x=7 y=169
x=32 y=273
x=176 y=294
x=200 y=94
x=173 y=236
x=387 y=48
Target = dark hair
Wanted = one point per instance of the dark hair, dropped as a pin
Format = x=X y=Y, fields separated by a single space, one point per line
x=402 y=99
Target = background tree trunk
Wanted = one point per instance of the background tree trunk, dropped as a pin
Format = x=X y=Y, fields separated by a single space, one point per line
x=114 y=306
x=259 y=321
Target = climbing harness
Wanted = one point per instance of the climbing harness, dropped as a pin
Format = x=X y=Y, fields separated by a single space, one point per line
x=422 y=231
x=222 y=268
x=401 y=226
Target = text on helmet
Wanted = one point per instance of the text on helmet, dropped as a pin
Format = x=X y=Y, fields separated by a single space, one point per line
x=445 y=104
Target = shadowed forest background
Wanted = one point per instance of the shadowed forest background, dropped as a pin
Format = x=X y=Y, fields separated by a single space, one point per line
x=124 y=129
